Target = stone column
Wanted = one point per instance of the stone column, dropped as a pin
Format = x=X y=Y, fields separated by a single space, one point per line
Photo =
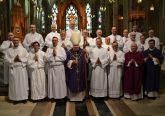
x=115 y=12
x=125 y=14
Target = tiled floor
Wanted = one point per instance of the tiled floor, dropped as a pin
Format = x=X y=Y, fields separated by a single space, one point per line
x=92 y=107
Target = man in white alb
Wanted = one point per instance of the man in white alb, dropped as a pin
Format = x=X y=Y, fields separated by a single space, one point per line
x=36 y=66
x=48 y=39
x=32 y=37
x=115 y=37
x=116 y=71
x=143 y=44
x=152 y=36
x=99 y=58
x=99 y=34
x=72 y=25
x=3 y=48
x=138 y=34
x=17 y=56
x=55 y=57
x=64 y=42
x=125 y=36
x=107 y=44
x=127 y=45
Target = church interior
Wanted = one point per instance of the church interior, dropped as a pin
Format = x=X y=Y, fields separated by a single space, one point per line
x=17 y=15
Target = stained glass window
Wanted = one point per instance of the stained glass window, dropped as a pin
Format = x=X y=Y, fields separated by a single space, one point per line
x=89 y=20
x=54 y=14
x=43 y=21
x=99 y=19
x=71 y=10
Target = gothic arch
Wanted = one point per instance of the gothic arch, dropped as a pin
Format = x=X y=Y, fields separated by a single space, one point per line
x=62 y=9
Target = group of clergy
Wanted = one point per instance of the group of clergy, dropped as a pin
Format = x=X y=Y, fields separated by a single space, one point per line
x=75 y=65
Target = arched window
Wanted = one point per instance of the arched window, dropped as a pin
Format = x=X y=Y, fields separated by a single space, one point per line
x=71 y=10
x=99 y=19
x=54 y=14
x=89 y=20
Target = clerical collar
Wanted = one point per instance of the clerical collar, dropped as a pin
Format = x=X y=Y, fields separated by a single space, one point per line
x=151 y=49
x=33 y=33
x=99 y=47
x=116 y=50
x=133 y=52
x=15 y=47
x=54 y=46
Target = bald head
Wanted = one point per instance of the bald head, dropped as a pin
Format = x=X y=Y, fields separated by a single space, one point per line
x=53 y=27
x=99 y=33
x=72 y=24
x=134 y=47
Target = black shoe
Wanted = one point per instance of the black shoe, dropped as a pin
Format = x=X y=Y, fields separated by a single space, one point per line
x=152 y=98
x=24 y=101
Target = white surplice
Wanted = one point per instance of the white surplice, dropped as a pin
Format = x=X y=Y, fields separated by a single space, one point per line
x=99 y=74
x=49 y=37
x=90 y=42
x=30 y=38
x=116 y=71
x=125 y=39
x=56 y=73
x=18 y=78
x=3 y=48
x=107 y=47
x=66 y=42
x=37 y=75
x=143 y=47
x=69 y=33
x=117 y=38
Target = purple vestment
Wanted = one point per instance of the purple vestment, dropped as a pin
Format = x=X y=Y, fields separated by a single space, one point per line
x=133 y=75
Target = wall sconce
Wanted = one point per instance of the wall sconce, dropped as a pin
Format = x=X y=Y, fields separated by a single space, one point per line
x=1 y=0
x=92 y=16
x=152 y=8
x=121 y=18
x=50 y=16
x=103 y=9
x=39 y=9
x=139 y=1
